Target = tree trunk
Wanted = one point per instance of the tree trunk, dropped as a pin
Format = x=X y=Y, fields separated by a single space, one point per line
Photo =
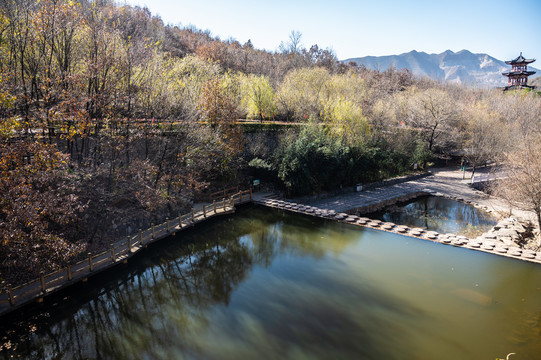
x=160 y=166
x=538 y=213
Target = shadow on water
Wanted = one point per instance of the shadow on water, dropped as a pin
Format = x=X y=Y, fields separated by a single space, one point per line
x=439 y=214
x=258 y=284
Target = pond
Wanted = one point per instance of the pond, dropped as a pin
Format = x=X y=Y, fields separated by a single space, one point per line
x=267 y=284
x=438 y=214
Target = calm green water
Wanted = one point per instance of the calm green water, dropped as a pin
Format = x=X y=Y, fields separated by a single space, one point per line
x=439 y=214
x=273 y=285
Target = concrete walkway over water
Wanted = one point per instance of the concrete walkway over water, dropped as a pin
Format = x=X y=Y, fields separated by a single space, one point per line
x=445 y=182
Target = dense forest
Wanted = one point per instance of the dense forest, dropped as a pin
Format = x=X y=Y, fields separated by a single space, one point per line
x=112 y=120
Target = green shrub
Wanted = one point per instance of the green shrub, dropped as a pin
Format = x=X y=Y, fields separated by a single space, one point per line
x=318 y=160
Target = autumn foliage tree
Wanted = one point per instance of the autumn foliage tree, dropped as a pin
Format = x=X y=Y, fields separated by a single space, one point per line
x=39 y=211
x=111 y=120
x=217 y=109
x=73 y=77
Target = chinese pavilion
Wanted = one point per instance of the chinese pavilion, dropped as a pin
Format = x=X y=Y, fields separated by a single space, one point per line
x=518 y=76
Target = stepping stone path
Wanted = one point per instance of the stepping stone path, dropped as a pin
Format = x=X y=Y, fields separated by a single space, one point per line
x=416 y=231
x=341 y=216
x=456 y=242
x=488 y=242
x=475 y=244
x=388 y=226
x=514 y=253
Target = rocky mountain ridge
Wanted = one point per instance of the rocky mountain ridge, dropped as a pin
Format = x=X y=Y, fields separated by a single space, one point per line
x=463 y=67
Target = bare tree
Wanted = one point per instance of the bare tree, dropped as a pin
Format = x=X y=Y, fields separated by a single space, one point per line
x=522 y=185
x=434 y=113
x=294 y=44
x=485 y=136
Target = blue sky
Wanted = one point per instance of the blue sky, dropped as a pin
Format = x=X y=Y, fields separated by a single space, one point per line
x=361 y=28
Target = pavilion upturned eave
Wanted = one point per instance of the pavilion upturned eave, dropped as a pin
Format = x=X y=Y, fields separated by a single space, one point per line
x=518 y=73
x=519 y=60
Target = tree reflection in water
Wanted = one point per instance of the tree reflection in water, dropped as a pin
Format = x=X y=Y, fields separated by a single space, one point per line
x=162 y=297
x=271 y=284
x=439 y=214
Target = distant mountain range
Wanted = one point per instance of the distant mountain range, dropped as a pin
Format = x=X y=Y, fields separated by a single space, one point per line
x=461 y=67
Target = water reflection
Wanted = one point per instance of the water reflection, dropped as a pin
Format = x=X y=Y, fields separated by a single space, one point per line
x=439 y=214
x=268 y=284
x=163 y=303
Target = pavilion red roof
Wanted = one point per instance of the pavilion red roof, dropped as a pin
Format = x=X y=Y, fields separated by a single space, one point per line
x=520 y=60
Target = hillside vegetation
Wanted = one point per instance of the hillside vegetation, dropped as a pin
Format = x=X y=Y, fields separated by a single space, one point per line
x=536 y=82
x=111 y=120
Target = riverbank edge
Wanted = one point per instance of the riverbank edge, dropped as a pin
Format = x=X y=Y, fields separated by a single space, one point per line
x=98 y=264
x=35 y=291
